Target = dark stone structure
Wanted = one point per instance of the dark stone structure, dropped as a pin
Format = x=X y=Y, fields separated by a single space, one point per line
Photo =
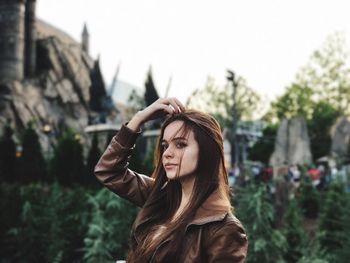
x=12 y=31
x=85 y=38
x=30 y=39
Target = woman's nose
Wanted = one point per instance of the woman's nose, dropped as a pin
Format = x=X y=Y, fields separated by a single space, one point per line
x=168 y=152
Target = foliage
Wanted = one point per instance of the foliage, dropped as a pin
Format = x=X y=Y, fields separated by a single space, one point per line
x=51 y=225
x=218 y=101
x=293 y=232
x=344 y=252
x=32 y=165
x=10 y=207
x=296 y=101
x=312 y=252
x=109 y=228
x=309 y=198
x=330 y=219
x=327 y=73
x=256 y=212
x=8 y=161
x=263 y=148
x=324 y=79
x=92 y=159
x=323 y=117
x=67 y=165
x=320 y=93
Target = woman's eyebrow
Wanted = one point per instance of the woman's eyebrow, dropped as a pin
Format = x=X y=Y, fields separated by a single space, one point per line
x=175 y=139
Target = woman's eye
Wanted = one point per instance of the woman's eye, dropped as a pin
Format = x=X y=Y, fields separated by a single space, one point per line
x=164 y=146
x=180 y=145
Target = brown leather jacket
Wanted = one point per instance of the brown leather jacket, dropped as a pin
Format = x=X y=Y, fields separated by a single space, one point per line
x=214 y=235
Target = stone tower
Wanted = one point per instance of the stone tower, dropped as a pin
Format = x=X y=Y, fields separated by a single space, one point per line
x=85 y=39
x=12 y=14
x=30 y=39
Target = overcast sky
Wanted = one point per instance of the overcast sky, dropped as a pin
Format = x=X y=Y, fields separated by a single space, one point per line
x=265 y=41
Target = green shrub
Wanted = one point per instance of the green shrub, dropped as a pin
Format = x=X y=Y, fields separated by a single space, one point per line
x=309 y=199
x=256 y=212
x=51 y=225
x=67 y=165
x=331 y=218
x=294 y=232
x=32 y=165
x=107 y=238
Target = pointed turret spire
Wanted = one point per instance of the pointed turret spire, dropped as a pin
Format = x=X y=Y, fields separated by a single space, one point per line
x=85 y=36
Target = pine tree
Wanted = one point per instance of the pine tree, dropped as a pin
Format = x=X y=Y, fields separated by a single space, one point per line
x=67 y=165
x=32 y=164
x=309 y=199
x=344 y=252
x=7 y=156
x=330 y=220
x=293 y=232
x=256 y=212
x=108 y=231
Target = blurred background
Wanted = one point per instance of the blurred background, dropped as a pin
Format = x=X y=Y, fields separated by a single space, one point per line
x=275 y=74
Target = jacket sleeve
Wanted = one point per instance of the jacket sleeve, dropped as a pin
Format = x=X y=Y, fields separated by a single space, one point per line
x=228 y=244
x=112 y=169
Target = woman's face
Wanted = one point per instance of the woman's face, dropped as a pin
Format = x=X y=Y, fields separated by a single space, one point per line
x=180 y=153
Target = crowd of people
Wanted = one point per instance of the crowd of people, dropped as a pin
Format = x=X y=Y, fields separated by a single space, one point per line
x=320 y=175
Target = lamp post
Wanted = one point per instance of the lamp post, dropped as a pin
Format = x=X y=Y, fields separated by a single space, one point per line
x=232 y=78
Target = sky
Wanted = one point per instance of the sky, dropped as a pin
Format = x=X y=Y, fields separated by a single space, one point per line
x=264 y=41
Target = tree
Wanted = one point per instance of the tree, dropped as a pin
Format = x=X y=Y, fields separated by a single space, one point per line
x=327 y=73
x=344 y=252
x=256 y=212
x=7 y=155
x=93 y=157
x=293 y=232
x=32 y=165
x=308 y=198
x=296 y=101
x=323 y=117
x=263 y=148
x=331 y=218
x=67 y=165
x=218 y=101
x=324 y=78
x=108 y=230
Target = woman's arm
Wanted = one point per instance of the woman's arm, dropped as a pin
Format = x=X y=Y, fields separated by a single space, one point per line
x=112 y=168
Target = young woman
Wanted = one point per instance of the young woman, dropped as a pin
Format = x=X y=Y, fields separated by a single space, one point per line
x=185 y=211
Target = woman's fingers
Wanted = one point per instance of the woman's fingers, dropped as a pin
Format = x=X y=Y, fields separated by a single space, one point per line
x=180 y=105
x=174 y=104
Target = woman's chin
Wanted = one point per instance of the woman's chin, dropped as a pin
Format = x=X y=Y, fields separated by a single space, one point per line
x=171 y=176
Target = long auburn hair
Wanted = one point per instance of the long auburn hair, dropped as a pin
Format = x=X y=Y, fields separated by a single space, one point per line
x=165 y=196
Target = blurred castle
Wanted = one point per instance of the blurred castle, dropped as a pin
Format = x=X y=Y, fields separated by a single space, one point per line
x=46 y=76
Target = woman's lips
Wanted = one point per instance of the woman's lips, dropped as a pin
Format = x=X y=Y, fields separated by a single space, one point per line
x=170 y=166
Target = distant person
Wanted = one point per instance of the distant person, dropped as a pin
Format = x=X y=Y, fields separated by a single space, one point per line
x=185 y=211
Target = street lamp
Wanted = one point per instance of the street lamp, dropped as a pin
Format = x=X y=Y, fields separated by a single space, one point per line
x=231 y=78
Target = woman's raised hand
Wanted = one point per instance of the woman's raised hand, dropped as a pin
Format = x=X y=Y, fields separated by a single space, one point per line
x=157 y=109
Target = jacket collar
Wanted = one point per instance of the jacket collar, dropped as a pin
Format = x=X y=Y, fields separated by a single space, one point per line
x=214 y=208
